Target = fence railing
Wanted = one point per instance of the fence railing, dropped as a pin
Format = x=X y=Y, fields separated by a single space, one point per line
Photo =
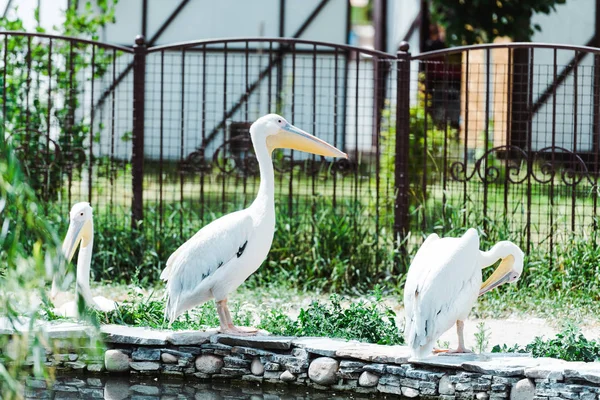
x=504 y=137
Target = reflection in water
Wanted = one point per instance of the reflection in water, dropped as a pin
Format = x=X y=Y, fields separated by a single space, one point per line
x=147 y=388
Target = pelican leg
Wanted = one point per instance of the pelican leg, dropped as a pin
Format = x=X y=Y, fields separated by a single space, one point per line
x=226 y=321
x=460 y=326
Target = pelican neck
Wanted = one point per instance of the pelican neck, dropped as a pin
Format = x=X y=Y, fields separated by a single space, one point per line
x=266 y=190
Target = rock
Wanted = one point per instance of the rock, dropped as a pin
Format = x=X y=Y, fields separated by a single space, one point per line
x=168 y=358
x=133 y=335
x=94 y=382
x=145 y=354
x=482 y=396
x=446 y=387
x=144 y=365
x=261 y=342
x=76 y=365
x=116 y=389
x=389 y=389
x=287 y=376
x=91 y=393
x=257 y=368
x=375 y=353
x=116 y=361
x=409 y=392
x=368 y=379
x=234 y=362
x=272 y=375
x=96 y=368
x=322 y=346
x=378 y=369
x=209 y=364
x=523 y=390
x=323 y=371
x=189 y=338
x=271 y=366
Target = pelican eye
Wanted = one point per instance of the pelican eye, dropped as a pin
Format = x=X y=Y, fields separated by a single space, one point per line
x=278 y=121
x=81 y=214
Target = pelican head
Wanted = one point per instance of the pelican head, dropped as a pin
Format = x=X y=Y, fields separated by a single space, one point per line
x=278 y=133
x=509 y=270
x=81 y=228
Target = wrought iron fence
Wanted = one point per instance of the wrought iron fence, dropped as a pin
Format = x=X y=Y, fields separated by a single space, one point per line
x=499 y=136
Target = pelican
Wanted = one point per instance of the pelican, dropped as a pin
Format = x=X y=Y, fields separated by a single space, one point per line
x=444 y=281
x=223 y=254
x=81 y=230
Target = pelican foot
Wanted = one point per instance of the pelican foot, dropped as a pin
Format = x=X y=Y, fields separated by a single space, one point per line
x=437 y=351
x=240 y=330
x=459 y=350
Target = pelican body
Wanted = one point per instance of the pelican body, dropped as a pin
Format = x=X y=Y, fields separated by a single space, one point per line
x=223 y=254
x=81 y=231
x=444 y=281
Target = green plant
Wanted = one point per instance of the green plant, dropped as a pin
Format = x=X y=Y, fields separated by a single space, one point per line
x=482 y=338
x=39 y=76
x=569 y=345
x=369 y=321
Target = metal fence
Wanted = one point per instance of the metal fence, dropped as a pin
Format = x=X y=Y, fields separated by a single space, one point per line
x=500 y=136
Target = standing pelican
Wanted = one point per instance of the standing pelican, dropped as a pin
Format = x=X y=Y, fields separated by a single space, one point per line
x=223 y=254
x=444 y=281
x=81 y=230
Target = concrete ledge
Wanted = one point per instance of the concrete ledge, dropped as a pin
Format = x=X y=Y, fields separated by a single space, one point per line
x=323 y=364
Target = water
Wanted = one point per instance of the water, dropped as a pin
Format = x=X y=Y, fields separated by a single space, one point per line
x=137 y=388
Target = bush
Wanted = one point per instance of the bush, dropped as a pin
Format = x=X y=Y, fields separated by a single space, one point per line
x=368 y=321
x=569 y=345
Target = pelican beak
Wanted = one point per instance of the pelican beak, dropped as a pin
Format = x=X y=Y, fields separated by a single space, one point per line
x=74 y=236
x=499 y=276
x=291 y=137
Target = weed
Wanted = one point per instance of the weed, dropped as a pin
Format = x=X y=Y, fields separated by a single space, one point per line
x=482 y=338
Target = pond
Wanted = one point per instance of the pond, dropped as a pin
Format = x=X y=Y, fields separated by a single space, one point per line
x=148 y=388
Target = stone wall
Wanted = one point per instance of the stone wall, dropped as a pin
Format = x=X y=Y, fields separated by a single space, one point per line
x=329 y=364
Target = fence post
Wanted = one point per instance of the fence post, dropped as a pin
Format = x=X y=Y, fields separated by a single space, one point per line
x=401 y=179
x=137 y=157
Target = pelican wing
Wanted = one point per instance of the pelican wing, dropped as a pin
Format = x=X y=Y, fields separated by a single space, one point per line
x=442 y=289
x=211 y=248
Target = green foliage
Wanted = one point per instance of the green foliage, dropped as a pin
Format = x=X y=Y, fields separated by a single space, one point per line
x=481 y=21
x=27 y=253
x=569 y=345
x=482 y=338
x=39 y=77
x=369 y=321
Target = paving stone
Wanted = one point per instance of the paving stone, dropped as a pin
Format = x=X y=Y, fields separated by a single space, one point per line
x=261 y=342
x=375 y=353
x=190 y=338
x=133 y=335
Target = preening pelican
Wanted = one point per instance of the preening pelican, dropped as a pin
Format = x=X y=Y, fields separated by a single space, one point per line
x=81 y=230
x=444 y=281
x=223 y=254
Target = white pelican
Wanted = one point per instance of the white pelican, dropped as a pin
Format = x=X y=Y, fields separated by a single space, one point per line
x=81 y=230
x=223 y=254
x=444 y=281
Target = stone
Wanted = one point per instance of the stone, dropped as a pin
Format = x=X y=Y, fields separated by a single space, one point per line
x=133 y=335
x=300 y=353
x=272 y=375
x=116 y=389
x=144 y=365
x=352 y=365
x=271 y=366
x=95 y=368
x=446 y=387
x=411 y=383
x=287 y=376
x=523 y=390
x=145 y=389
x=91 y=393
x=368 y=379
x=375 y=353
x=292 y=364
x=389 y=380
x=116 y=361
x=482 y=396
x=389 y=389
x=322 y=371
x=261 y=342
x=94 y=382
x=322 y=346
x=505 y=365
x=68 y=330
x=252 y=378
x=168 y=358
x=75 y=365
x=209 y=364
x=235 y=371
x=145 y=354
x=186 y=349
x=423 y=375
x=378 y=369
x=395 y=370
x=190 y=338
x=551 y=370
x=235 y=362
x=251 y=352
x=257 y=368
x=409 y=392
